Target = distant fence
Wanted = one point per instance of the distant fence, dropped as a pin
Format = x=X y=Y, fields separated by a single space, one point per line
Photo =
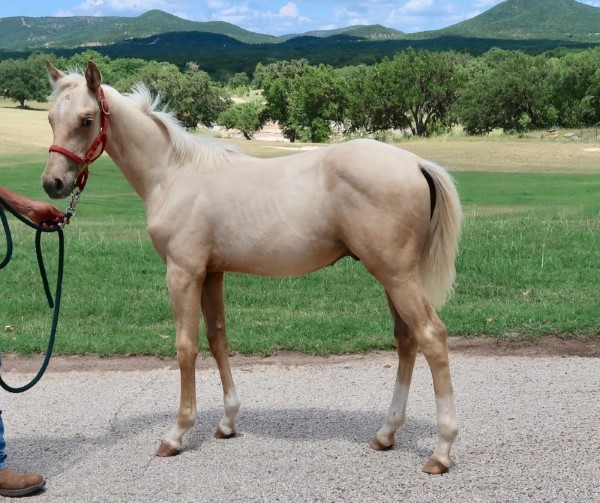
x=589 y=134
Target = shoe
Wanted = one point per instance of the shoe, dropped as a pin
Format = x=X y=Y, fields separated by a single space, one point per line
x=13 y=484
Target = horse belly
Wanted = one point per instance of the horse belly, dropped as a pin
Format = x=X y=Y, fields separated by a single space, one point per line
x=270 y=258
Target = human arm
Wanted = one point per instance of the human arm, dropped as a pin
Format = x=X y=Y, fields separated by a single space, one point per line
x=37 y=211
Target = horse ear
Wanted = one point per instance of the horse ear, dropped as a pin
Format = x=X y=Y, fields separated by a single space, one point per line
x=93 y=77
x=53 y=74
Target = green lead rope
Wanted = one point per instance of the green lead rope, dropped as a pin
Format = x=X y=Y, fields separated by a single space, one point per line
x=53 y=302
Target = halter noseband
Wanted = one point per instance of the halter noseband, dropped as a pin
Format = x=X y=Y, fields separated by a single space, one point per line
x=101 y=140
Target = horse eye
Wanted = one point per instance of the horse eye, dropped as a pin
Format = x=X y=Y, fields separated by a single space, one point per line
x=87 y=121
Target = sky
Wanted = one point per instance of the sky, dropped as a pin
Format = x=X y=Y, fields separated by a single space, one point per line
x=275 y=17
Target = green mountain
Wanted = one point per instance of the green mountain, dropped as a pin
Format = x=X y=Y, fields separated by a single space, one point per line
x=368 y=32
x=28 y=33
x=566 y=20
x=531 y=19
x=222 y=49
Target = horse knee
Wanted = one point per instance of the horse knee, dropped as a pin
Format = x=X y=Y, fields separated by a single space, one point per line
x=186 y=353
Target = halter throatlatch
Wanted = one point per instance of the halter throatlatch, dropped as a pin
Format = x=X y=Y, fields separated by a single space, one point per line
x=84 y=162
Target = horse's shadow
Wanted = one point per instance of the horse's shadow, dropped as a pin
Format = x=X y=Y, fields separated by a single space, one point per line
x=57 y=454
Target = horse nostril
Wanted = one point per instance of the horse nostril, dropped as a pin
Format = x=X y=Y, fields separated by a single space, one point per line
x=58 y=185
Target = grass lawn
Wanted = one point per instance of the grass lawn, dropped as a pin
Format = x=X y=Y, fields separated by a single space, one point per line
x=529 y=262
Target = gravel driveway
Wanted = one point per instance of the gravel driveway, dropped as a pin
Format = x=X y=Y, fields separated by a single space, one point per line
x=529 y=431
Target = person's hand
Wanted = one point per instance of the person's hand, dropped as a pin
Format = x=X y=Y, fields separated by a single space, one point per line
x=40 y=213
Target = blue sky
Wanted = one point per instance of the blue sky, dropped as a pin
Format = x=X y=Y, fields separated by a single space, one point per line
x=275 y=17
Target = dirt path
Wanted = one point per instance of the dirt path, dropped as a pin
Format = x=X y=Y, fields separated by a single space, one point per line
x=544 y=346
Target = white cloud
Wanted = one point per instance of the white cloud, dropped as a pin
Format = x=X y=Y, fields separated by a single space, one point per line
x=289 y=10
x=417 y=5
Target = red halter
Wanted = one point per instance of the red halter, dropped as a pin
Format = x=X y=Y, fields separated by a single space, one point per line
x=101 y=140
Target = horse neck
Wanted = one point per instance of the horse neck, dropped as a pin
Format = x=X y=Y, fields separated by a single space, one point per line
x=136 y=143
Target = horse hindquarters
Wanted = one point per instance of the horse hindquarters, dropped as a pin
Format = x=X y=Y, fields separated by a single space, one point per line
x=416 y=322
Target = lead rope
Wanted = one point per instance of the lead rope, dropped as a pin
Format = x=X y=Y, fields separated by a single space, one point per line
x=53 y=303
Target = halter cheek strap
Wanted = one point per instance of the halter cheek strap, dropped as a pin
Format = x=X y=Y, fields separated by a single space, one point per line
x=100 y=141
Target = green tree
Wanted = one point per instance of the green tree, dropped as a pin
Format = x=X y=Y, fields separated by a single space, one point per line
x=239 y=81
x=24 y=80
x=375 y=101
x=415 y=90
x=508 y=90
x=201 y=100
x=571 y=78
x=317 y=99
x=121 y=72
x=248 y=117
x=277 y=81
x=431 y=84
x=78 y=63
x=590 y=104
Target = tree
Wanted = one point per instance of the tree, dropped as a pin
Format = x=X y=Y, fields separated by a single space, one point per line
x=201 y=100
x=375 y=101
x=316 y=101
x=415 y=90
x=572 y=79
x=590 y=104
x=508 y=90
x=248 y=117
x=431 y=84
x=277 y=81
x=25 y=80
x=239 y=81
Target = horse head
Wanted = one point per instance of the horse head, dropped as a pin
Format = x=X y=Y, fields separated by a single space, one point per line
x=78 y=120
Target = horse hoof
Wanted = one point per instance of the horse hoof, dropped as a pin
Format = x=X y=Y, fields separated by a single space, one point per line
x=434 y=467
x=166 y=451
x=219 y=433
x=378 y=445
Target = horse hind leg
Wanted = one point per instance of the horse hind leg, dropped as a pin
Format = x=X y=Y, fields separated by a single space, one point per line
x=184 y=289
x=213 y=308
x=406 y=347
x=429 y=332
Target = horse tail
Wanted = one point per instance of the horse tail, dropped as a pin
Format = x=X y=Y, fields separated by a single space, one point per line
x=436 y=265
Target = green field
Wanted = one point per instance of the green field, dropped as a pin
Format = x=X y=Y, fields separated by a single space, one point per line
x=529 y=263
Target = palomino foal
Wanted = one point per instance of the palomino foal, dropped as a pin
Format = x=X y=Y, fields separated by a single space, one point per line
x=211 y=210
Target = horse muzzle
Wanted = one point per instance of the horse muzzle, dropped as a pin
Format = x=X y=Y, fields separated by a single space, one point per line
x=58 y=186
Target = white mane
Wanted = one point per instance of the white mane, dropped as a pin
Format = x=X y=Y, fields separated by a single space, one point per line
x=186 y=147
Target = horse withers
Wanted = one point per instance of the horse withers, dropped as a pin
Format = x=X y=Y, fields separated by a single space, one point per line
x=212 y=210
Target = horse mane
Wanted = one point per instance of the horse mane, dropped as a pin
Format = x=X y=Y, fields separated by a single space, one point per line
x=185 y=147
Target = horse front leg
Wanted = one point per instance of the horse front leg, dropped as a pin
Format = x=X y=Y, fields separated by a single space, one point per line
x=185 y=291
x=213 y=307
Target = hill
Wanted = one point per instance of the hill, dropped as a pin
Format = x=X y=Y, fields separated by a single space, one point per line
x=560 y=20
x=531 y=19
x=369 y=32
x=30 y=33
x=222 y=49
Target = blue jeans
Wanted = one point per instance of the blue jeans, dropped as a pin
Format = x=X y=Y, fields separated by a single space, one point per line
x=2 y=445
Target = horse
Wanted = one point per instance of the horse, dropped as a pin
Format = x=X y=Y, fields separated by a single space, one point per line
x=212 y=209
